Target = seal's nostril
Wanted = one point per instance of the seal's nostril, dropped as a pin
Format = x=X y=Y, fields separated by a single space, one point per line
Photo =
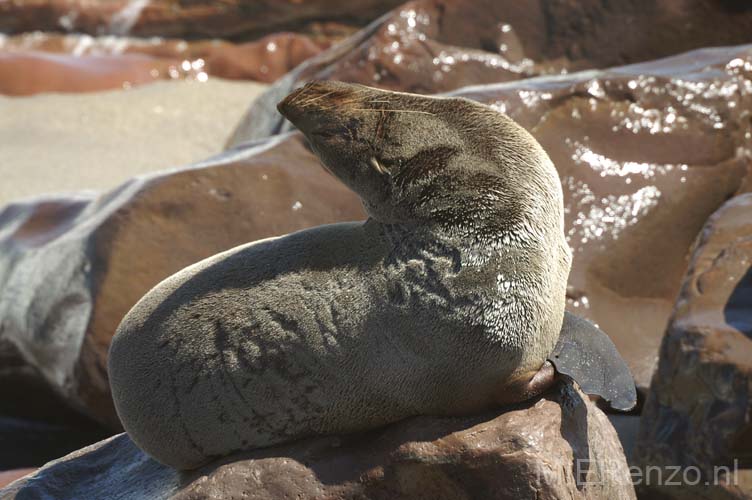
x=303 y=107
x=319 y=104
x=290 y=106
x=284 y=106
x=290 y=110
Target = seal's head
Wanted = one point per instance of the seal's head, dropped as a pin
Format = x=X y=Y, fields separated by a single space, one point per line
x=412 y=157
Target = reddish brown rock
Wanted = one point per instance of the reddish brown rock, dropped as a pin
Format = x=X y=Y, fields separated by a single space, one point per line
x=182 y=18
x=645 y=153
x=431 y=46
x=8 y=476
x=698 y=410
x=560 y=446
x=71 y=269
x=29 y=73
x=264 y=60
x=38 y=62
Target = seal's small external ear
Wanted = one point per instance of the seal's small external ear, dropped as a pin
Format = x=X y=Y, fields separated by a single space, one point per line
x=586 y=354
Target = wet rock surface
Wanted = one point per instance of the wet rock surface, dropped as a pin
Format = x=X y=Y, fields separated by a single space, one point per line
x=44 y=62
x=527 y=452
x=71 y=268
x=644 y=157
x=432 y=46
x=697 y=413
x=648 y=152
x=183 y=18
x=645 y=153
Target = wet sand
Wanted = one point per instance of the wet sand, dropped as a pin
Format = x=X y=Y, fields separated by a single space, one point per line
x=53 y=143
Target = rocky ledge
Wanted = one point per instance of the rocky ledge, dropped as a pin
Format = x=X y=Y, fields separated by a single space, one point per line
x=645 y=152
x=698 y=413
x=560 y=446
x=182 y=18
x=70 y=268
x=433 y=46
x=33 y=63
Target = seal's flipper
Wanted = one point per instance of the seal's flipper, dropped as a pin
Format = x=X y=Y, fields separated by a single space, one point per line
x=587 y=355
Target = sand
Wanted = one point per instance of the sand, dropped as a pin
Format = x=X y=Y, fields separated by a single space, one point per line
x=58 y=143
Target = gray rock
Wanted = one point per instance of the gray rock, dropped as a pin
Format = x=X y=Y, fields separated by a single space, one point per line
x=70 y=268
x=697 y=412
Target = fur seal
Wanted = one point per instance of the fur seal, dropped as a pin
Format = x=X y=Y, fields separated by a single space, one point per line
x=446 y=301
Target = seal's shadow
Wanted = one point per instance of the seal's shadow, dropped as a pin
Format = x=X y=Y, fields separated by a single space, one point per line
x=738 y=310
x=574 y=429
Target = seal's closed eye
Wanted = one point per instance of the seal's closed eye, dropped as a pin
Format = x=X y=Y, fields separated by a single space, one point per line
x=587 y=355
x=378 y=166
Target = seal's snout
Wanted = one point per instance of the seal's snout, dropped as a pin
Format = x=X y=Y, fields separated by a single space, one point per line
x=290 y=107
x=319 y=101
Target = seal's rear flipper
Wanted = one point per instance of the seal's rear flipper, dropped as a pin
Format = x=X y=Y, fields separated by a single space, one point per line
x=588 y=356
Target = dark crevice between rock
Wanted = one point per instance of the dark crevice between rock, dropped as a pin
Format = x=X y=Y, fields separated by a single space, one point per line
x=738 y=310
x=574 y=429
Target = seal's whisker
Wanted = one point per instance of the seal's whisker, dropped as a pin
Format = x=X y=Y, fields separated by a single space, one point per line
x=394 y=111
x=314 y=99
x=345 y=103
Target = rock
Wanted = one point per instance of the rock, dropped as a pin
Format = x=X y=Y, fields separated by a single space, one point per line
x=85 y=136
x=182 y=18
x=8 y=476
x=39 y=62
x=70 y=268
x=30 y=73
x=432 y=46
x=532 y=451
x=264 y=60
x=646 y=153
x=697 y=412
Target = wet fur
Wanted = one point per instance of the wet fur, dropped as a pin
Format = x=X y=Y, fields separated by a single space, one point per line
x=448 y=297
